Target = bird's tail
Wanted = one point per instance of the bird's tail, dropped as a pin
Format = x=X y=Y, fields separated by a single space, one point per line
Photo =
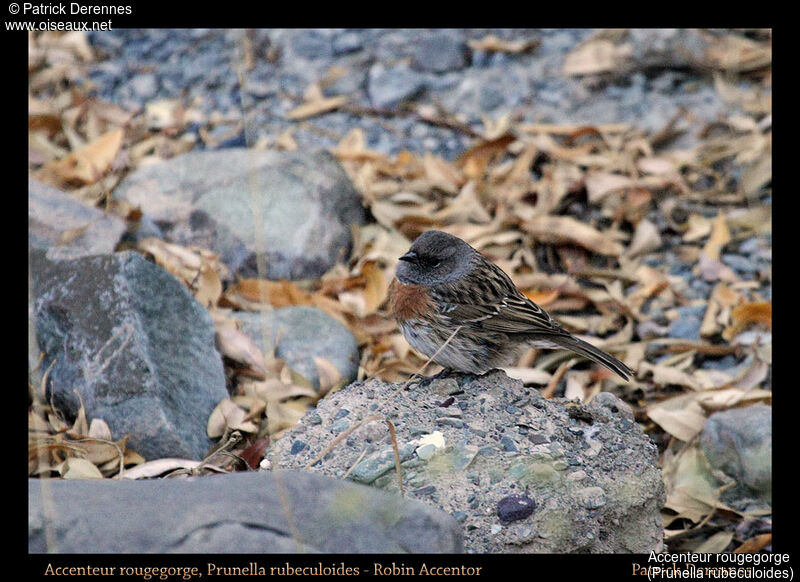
x=595 y=354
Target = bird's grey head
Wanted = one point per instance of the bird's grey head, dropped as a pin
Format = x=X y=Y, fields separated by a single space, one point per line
x=435 y=257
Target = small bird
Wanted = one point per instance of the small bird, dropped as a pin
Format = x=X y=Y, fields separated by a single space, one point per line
x=446 y=290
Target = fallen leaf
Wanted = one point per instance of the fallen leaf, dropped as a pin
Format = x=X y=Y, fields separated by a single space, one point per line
x=158 y=467
x=316 y=107
x=600 y=184
x=491 y=43
x=228 y=415
x=76 y=468
x=691 y=489
x=720 y=236
x=253 y=454
x=646 y=239
x=239 y=347
x=747 y=313
x=85 y=165
x=376 y=287
x=565 y=229
x=715 y=544
x=474 y=160
x=681 y=416
x=330 y=378
x=597 y=56
x=754 y=544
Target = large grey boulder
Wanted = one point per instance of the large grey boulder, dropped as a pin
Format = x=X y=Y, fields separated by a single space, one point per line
x=128 y=342
x=67 y=228
x=292 y=210
x=521 y=472
x=248 y=513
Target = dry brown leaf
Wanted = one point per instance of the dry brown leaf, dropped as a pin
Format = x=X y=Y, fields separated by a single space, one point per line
x=85 y=165
x=376 y=287
x=250 y=293
x=600 y=184
x=330 y=379
x=691 y=488
x=316 y=107
x=698 y=227
x=597 y=56
x=239 y=347
x=737 y=54
x=198 y=268
x=442 y=174
x=646 y=239
x=77 y=468
x=474 y=160
x=465 y=208
x=727 y=398
x=754 y=544
x=227 y=415
x=158 y=467
x=720 y=236
x=491 y=43
x=668 y=375
x=565 y=229
x=747 y=313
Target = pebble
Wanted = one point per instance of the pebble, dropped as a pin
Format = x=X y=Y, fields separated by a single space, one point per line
x=509 y=445
x=439 y=52
x=592 y=497
x=298 y=446
x=388 y=87
x=514 y=508
x=687 y=326
x=739 y=263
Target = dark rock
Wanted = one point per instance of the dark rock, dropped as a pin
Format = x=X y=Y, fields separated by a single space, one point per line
x=514 y=507
x=246 y=513
x=129 y=343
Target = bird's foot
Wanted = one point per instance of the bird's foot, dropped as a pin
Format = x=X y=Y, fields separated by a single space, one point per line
x=424 y=381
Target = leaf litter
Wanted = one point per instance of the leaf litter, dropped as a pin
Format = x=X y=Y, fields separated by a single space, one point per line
x=582 y=216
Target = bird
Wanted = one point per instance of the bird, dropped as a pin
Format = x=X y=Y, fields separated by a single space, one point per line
x=455 y=306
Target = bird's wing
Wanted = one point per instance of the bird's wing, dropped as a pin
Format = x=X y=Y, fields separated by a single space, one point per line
x=493 y=303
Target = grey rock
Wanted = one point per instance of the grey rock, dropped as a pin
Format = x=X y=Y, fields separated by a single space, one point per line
x=687 y=326
x=740 y=263
x=739 y=443
x=347 y=42
x=247 y=513
x=67 y=228
x=303 y=333
x=293 y=210
x=476 y=470
x=133 y=343
x=145 y=85
x=388 y=87
x=440 y=52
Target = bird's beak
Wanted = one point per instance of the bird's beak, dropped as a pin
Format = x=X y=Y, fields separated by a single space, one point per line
x=410 y=257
